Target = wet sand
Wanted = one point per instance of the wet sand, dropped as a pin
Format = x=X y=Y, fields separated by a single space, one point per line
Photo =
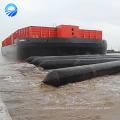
x=27 y=98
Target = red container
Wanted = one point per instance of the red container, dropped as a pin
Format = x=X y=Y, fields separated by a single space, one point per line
x=9 y=40
x=67 y=31
x=6 y=41
x=86 y=33
x=19 y=33
x=52 y=32
x=13 y=37
x=99 y=35
x=92 y=34
x=33 y=31
x=39 y=32
x=81 y=33
x=62 y=31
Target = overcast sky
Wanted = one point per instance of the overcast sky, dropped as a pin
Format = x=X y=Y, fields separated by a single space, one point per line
x=87 y=14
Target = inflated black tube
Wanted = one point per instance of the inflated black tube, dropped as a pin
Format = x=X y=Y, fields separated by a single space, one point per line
x=38 y=60
x=95 y=61
x=31 y=58
x=63 y=76
x=55 y=64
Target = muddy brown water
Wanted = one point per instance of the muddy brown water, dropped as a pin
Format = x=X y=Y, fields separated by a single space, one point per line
x=27 y=99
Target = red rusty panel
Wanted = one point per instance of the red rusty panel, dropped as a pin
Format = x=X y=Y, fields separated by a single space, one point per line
x=86 y=33
x=63 y=31
x=43 y=32
x=52 y=32
x=33 y=31
x=99 y=35
x=81 y=33
x=19 y=33
x=67 y=31
x=36 y=32
x=92 y=34
x=13 y=37
x=8 y=41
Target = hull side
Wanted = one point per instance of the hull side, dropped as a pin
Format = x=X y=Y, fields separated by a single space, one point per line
x=26 y=47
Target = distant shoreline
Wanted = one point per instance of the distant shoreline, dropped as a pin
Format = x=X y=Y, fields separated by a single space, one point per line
x=112 y=51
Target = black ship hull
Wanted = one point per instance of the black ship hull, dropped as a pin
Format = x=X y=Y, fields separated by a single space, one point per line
x=26 y=47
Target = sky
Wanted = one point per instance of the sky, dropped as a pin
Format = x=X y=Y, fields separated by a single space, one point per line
x=87 y=14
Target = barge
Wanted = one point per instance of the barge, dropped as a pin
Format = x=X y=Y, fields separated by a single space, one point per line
x=48 y=41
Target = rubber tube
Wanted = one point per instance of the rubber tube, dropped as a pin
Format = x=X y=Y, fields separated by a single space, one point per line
x=55 y=64
x=64 y=76
x=31 y=58
x=38 y=60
